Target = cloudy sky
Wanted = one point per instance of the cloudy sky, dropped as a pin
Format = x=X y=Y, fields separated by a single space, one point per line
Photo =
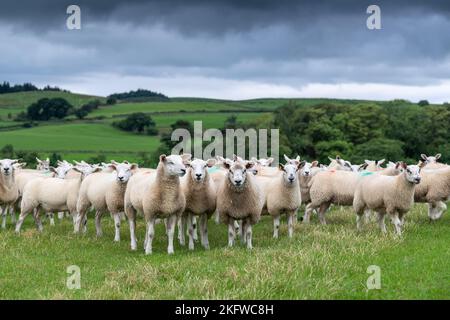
x=231 y=49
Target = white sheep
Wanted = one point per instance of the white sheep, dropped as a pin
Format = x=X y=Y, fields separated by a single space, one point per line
x=434 y=189
x=432 y=161
x=374 y=165
x=339 y=164
x=157 y=195
x=239 y=198
x=9 y=192
x=51 y=194
x=282 y=195
x=331 y=187
x=104 y=191
x=43 y=165
x=393 y=195
x=200 y=194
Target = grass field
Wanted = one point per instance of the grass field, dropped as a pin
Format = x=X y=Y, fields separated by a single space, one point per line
x=95 y=138
x=320 y=262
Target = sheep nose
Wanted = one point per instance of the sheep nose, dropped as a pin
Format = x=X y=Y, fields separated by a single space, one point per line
x=199 y=175
x=121 y=178
x=417 y=180
x=183 y=171
x=238 y=182
x=291 y=179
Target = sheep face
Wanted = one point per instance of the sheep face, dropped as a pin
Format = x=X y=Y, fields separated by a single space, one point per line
x=412 y=173
x=175 y=165
x=198 y=168
x=62 y=170
x=124 y=170
x=264 y=162
x=43 y=164
x=430 y=159
x=237 y=171
x=86 y=170
x=7 y=166
x=374 y=165
x=289 y=172
x=306 y=170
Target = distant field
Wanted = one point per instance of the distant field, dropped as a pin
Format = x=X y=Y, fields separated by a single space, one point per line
x=73 y=137
x=16 y=102
x=151 y=107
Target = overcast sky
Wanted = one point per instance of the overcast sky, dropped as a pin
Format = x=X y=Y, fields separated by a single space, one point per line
x=231 y=49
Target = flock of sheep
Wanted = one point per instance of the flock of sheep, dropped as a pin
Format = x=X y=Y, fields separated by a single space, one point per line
x=181 y=191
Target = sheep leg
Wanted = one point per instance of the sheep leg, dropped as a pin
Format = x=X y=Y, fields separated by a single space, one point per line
x=23 y=214
x=149 y=235
x=231 y=232
x=131 y=214
x=60 y=215
x=276 y=226
x=12 y=213
x=248 y=234
x=98 y=223
x=52 y=220
x=117 y=219
x=397 y=223
x=367 y=214
x=204 y=231
x=122 y=216
x=323 y=208
x=190 y=224
x=291 y=223
x=171 y=221
x=37 y=220
x=194 y=226
x=3 y=214
x=243 y=226
x=238 y=226
x=381 y=223
x=359 y=220
x=182 y=223
x=216 y=217
x=180 y=227
x=307 y=215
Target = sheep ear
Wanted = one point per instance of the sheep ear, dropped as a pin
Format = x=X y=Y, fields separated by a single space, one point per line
x=162 y=158
x=211 y=162
x=315 y=163
x=97 y=169
x=114 y=162
x=38 y=160
x=438 y=156
x=134 y=166
x=286 y=158
x=249 y=164
x=367 y=162
x=48 y=159
x=297 y=158
x=331 y=159
x=362 y=166
x=186 y=157
x=422 y=164
x=112 y=166
x=381 y=161
x=301 y=164
x=270 y=160
x=226 y=163
x=77 y=169
x=281 y=166
x=424 y=156
x=404 y=165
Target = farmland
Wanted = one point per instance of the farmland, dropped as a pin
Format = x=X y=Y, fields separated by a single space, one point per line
x=319 y=262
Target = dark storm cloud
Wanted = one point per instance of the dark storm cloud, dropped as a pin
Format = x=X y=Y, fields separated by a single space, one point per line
x=206 y=16
x=281 y=42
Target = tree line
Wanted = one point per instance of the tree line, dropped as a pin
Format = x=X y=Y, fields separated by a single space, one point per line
x=395 y=130
x=6 y=87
